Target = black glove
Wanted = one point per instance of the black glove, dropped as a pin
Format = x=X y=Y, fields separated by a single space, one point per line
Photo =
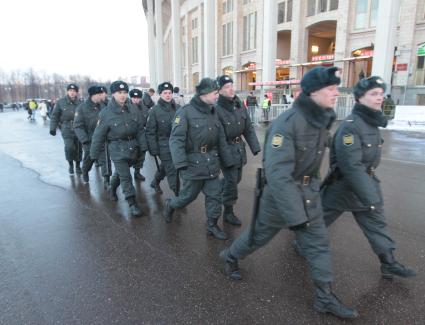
x=52 y=132
x=256 y=153
x=300 y=226
x=86 y=143
x=182 y=168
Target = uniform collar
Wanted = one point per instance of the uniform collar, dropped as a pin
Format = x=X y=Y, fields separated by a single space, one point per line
x=117 y=108
x=370 y=116
x=69 y=101
x=229 y=104
x=316 y=115
x=201 y=106
x=168 y=106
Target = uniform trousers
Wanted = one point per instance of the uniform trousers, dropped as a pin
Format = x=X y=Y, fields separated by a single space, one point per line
x=191 y=188
x=371 y=222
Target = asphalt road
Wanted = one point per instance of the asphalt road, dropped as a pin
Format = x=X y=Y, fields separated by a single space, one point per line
x=68 y=255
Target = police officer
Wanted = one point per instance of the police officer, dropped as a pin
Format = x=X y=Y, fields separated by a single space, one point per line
x=352 y=184
x=147 y=98
x=236 y=122
x=158 y=130
x=63 y=118
x=198 y=145
x=136 y=99
x=104 y=96
x=120 y=124
x=85 y=122
x=293 y=151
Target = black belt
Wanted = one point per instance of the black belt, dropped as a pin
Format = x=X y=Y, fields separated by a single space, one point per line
x=204 y=149
x=235 y=140
x=129 y=138
x=305 y=180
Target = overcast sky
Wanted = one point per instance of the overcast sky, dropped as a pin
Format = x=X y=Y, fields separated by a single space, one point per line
x=104 y=39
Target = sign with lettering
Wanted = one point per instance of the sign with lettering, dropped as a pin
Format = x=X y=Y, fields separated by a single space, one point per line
x=325 y=57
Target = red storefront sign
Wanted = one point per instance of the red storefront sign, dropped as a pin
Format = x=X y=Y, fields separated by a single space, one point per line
x=326 y=57
x=282 y=62
x=401 y=67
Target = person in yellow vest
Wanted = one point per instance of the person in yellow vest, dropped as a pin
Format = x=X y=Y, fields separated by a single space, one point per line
x=33 y=107
x=266 y=107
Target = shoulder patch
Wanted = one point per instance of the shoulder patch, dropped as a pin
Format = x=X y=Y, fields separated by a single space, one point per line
x=177 y=120
x=277 y=140
x=348 y=139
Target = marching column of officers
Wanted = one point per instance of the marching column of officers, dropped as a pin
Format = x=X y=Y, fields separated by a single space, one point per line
x=198 y=141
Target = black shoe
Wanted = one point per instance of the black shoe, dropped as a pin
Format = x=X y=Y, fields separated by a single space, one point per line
x=138 y=176
x=86 y=177
x=156 y=187
x=113 y=189
x=297 y=248
x=168 y=211
x=214 y=230
x=231 y=267
x=135 y=211
x=390 y=267
x=229 y=216
x=327 y=302
x=71 y=170
x=78 y=168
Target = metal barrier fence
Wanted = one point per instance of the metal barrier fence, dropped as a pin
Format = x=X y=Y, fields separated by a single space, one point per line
x=343 y=108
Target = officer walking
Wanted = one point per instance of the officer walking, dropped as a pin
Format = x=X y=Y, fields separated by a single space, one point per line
x=85 y=122
x=352 y=184
x=63 y=118
x=158 y=130
x=293 y=151
x=136 y=99
x=198 y=145
x=236 y=122
x=120 y=124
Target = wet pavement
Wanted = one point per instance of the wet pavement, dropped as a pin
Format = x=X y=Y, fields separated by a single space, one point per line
x=68 y=255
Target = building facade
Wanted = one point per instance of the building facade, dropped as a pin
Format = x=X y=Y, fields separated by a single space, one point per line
x=273 y=43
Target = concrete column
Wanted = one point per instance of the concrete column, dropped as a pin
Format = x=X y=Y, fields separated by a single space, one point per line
x=297 y=39
x=159 y=42
x=186 y=53
x=341 y=39
x=237 y=45
x=176 y=53
x=406 y=47
x=209 y=38
x=383 y=52
x=151 y=45
x=269 y=40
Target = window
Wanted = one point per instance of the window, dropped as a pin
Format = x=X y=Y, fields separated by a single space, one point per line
x=194 y=23
x=246 y=1
x=195 y=49
x=228 y=39
x=323 y=5
x=289 y=10
x=361 y=13
x=227 y=6
x=281 y=13
x=334 y=5
x=311 y=7
x=374 y=13
x=249 y=31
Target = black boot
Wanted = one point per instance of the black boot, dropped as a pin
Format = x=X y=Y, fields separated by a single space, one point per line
x=229 y=216
x=71 y=167
x=85 y=176
x=106 y=182
x=156 y=187
x=327 y=302
x=214 y=230
x=134 y=208
x=138 y=176
x=390 y=267
x=78 y=168
x=168 y=211
x=231 y=267
x=113 y=188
